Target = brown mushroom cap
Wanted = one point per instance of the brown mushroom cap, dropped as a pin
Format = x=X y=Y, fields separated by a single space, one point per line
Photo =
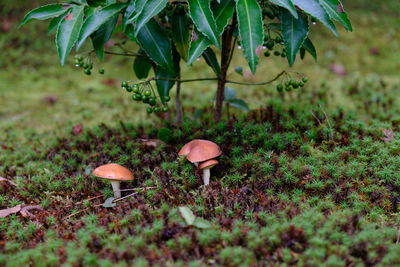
x=208 y=164
x=204 y=151
x=113 y=172
x=185 y=150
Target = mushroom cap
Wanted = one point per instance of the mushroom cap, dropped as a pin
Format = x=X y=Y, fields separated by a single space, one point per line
x=203 y=150
x=185 y=150
x=113 y=171
x=208 y=164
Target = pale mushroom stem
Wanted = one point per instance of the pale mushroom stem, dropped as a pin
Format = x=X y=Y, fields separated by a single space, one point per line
x=116 y=189
x=196 y=164
x=206 y=176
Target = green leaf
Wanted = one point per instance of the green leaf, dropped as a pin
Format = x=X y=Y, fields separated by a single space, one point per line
x=141 y=65
x=203 y=18
x=239 y=103
x=211 y=60
x=163 y=86
x=181 y=35
x=155 y=41
x=130 y=32
x=309 y=46
x=229 y=94
x=55 y=21
x=102 y=35
x=130 y=10
x=68 y=31
x=43 y=12
x=313 y=8
x=335 y=11
x=197 y=47
x=223 y=12
x=109 y=203
x=150 y=9
x=187 y=215
x=286 y=4
x=201 y=223
x=250 y=30
x=94 y=21
x=294 y=32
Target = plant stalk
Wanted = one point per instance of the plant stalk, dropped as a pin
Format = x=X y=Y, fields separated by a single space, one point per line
x=225 y=56
x=178 y=101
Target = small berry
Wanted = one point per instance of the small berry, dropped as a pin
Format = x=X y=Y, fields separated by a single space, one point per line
x=288 y=89
x=101 y=71
x=145 y=99
x=287 y=84
x=305 y=79
x=164 y=109
x=87 y=72
x=156 y=109
x=149 y=110
x=270 y=44
x=295 y=85
x=124 y=84
x=277 y=53
x=85 y=66
x=167 y=98
x=138 y=97
x=128 y=89
x=301 y=84
x=147 y=92
x=152 y=101
x=267 y=53
x=135 y=88
x=279 y=88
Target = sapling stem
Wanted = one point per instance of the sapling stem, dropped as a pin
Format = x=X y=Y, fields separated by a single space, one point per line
x=206 y=176
x=116 y=189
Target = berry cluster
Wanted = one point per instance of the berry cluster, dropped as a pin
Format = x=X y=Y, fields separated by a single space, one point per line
x=291 y=84
x=271 y=43
x=144 y=92
x=87 y=66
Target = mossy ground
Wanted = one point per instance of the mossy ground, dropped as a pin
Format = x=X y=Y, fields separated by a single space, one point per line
x=305 y=178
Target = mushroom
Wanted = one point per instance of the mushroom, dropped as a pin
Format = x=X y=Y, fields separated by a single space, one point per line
x=204 y=151
x=206 y=166
x=115 y=173
x=200 y=150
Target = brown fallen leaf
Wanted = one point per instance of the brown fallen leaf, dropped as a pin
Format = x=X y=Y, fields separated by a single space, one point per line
x=6 y=212
x=25 y=211
x=150 y=142
x=338 y=69
x=7 y=181
x=388 y=135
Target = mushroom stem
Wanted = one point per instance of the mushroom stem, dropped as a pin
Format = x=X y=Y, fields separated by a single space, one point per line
x=196 y=164
x=206 y=176
x=116 y=189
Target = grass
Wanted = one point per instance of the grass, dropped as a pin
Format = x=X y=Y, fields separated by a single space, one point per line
x=305 y=178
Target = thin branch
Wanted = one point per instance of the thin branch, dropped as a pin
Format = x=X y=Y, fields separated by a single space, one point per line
x=215 y=79
x=122 y=54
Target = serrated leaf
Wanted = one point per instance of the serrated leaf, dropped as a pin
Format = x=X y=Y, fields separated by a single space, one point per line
x=302 y=53
x=229 y=94
x=43 y=12
x=201 y=223
x=294 y=32
x=314 y=8
x=102 y=35
x=68 y=32
x=155 y=41
x=223 y=12
x=196 y=48
x=130 y=10
x=141 y=65
x=94 y=21
x=164 y=86
x=309 y=46
x=181 y=35
x=53 y=25
x=187 y=215
x=202 y=16
x=250 y=30
x=211 y=60
x=130 y=32
x=149 y=10
x=239 y=103
x=335 y=11
x=287 y=4
x=109 y=203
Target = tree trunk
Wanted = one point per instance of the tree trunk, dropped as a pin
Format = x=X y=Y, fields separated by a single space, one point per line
x=225 y=55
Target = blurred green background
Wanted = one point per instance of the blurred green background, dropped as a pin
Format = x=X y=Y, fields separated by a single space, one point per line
x=38 y=95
